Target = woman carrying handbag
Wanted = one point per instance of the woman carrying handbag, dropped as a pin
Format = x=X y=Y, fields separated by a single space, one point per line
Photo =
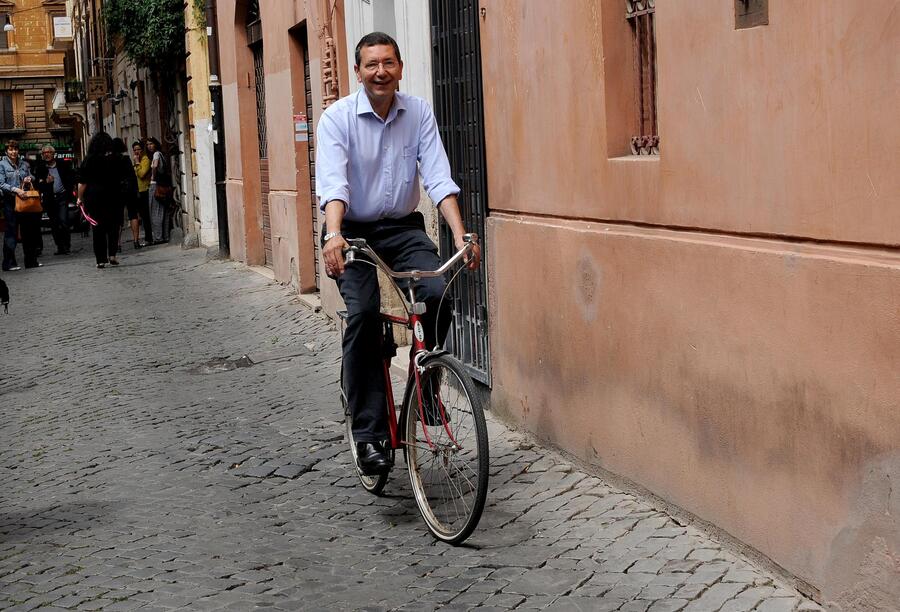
x=21 y=209
x=160 y=192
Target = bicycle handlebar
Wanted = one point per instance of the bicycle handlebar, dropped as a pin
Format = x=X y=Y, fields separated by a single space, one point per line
x=359 y=245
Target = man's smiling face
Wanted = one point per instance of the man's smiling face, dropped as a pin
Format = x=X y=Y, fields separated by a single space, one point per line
x=379 y=71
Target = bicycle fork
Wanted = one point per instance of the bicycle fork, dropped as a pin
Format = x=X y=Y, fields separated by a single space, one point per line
x=419 y=351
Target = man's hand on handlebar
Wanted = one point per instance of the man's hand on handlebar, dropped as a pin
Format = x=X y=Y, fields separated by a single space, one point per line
x=333 y=254
x=473 y=259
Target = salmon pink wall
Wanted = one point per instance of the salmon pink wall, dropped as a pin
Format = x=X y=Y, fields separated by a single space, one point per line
x=289 y=198
x=786 y=127
x=683 y=331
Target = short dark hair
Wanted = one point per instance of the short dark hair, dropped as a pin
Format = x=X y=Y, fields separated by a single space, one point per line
x=376 y=38
x=118 y=145
x=137 y=143
x=12 y=144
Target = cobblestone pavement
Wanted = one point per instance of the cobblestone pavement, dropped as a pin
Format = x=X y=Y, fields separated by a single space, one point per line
x=135 y=477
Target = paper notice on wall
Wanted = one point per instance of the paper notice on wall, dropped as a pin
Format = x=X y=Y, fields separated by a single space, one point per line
x=301 y=128
x=62 y=27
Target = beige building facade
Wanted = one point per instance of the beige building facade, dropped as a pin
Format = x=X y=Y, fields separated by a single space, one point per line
x=712 y=309
x=32 y=69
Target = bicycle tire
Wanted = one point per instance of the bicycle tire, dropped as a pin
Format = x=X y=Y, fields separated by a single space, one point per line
x=373 y=484
x=450 y=500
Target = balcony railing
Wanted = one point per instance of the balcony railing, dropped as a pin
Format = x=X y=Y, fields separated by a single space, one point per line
x=74 y=92
x=12 y=122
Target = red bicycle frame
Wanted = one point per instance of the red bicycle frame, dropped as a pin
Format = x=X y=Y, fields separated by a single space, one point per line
x=414 y=323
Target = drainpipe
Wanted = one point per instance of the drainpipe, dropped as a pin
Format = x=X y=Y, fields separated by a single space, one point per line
x=218 y=126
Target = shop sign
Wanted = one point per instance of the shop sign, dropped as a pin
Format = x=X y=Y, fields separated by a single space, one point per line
x=96 y=87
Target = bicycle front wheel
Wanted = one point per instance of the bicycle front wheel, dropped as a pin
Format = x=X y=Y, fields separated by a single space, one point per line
x=446 y=444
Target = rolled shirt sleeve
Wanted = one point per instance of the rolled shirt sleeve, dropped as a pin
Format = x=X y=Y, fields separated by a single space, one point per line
x=376 y=165
x=434 y=167
x=332 y=144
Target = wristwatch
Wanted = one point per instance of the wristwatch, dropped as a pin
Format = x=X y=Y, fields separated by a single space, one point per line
x=330 y=235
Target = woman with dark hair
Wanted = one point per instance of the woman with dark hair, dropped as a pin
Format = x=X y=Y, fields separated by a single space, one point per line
x=160 y=181
x=141 y=164
x=15 y=178
x=128 y=189
x=98 y=191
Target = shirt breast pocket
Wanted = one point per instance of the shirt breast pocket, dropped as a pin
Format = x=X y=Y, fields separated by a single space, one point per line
x=408 y=163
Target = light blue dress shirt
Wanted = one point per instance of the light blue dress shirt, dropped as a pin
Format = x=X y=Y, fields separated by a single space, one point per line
x=373 y=165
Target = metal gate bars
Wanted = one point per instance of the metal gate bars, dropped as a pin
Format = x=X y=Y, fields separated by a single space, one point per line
x=456 y=66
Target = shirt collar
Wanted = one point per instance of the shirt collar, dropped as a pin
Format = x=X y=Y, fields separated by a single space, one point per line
x=364 y=106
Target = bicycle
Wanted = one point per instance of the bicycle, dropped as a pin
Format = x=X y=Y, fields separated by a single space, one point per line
x=440 y=428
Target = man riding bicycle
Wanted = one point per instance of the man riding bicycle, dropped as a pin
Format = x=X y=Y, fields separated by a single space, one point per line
x=372 y=146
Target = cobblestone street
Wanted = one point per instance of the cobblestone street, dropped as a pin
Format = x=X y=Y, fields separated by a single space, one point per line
x=136 y=473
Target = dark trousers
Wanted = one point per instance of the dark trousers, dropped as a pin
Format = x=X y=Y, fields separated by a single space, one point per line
x=106 y=240
x=10 y=233
x=58 y=212
x=144 y=214
x=30 y=230
x=403 y=245
x=28 y=225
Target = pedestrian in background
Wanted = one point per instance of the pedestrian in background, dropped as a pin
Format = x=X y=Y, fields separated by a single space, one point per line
x=141 y=164
x=15 y=176
x=56 y=182
x=99 y=182
x=160 y=190
x=128 y=189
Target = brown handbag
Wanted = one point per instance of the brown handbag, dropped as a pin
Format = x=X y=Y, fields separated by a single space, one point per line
x=30 y=202
x=162 y=193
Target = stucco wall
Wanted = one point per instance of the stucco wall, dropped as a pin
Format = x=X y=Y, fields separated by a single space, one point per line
x=203 y=215
x=784 y=125
x=289 y=194
x=751 y=381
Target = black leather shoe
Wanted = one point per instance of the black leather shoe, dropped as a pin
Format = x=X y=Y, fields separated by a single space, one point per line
x=371 y=458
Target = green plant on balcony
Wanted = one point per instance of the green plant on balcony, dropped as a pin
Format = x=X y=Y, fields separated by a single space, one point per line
x=151 y=31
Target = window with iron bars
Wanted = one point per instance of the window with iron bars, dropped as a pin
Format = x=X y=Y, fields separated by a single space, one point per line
x=641 y=16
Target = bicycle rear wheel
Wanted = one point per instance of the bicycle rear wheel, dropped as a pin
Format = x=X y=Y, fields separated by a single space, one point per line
x=372 y=484
x=447 y=450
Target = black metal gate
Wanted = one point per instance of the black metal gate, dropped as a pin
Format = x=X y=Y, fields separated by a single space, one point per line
x=456 y=66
